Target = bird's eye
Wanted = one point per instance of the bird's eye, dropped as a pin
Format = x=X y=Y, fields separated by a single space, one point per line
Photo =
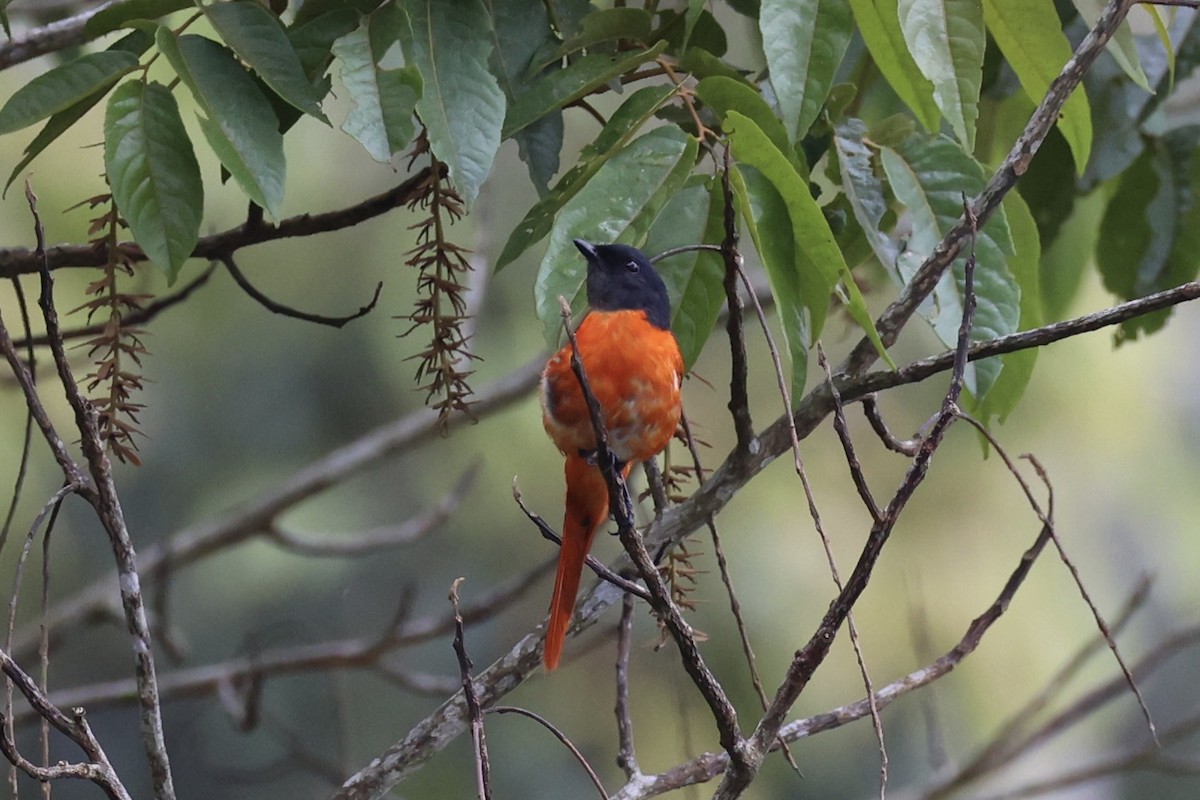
x=631 y=266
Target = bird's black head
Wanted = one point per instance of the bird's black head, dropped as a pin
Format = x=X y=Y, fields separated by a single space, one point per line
x=620 y=277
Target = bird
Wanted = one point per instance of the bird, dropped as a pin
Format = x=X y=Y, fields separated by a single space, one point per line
x=635 y=369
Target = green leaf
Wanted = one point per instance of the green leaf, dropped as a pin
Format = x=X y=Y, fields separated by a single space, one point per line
x=64 y=86
x=863 y=188
x=462 y=106
x=879 y=23
x=313 y=40
x=804 y=41
x=135 y=42
x=818 y=259
x=384 y=99
x=539 y=146
x=256 y=35
x=1069 y=257
x=153 y=172
x=118 y=15
x=723 y=95
x=794 y=284
x=617 y=205
x=235 y=117
x=694 y=279
x=602 y=25
x=1009 y=388
x=561 y=87
x=699 y=63
x=1150 y=235
x=930 y=175
x=519 y=29
x=694 y=11
x=946 y=39
x=619 y=129
x=1121 y=46
x=1028 y=33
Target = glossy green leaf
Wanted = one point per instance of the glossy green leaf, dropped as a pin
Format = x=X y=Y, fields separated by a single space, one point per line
x=694 y=279
x=561 y=87
x=258 y=38
x=118 y=15
x=723 y=95
x=153 y=172
x=946 y=39
x=136 y=43
x=930 y=175
x=1121 y=46
x=804 y=42
x=1024 y=265
x=1028 y=33
x=816 y=250
x=863 y=188
x=235 y=117
x=617 y=205
x=384 y=99
x=462 y=105
x=794 y=283
x=879 y=24
x=619 y=129
x=64 y=86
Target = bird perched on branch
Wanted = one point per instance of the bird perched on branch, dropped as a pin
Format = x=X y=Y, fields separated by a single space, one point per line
x=634 y=367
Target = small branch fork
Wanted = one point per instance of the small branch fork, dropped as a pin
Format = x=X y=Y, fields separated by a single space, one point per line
x=97 y=769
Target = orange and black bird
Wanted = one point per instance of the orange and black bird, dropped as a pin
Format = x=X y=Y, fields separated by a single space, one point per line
x=634 y=368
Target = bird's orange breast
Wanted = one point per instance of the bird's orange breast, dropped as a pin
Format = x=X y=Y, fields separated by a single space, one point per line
x=634 y=370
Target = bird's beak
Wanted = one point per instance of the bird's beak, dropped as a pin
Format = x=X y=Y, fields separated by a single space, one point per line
x=588 y=249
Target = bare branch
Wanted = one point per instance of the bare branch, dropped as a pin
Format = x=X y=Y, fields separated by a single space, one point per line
x=287 y=311
x=16 y=261
x=384 y=538
x=478 y=736
x=562 y=737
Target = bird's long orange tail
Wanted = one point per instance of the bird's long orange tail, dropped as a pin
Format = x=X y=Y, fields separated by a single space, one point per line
x=587 y=509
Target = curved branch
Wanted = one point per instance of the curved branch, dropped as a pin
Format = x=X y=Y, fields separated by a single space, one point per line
x=287 y=311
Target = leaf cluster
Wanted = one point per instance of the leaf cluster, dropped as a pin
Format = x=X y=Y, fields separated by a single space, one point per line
x=852 y=146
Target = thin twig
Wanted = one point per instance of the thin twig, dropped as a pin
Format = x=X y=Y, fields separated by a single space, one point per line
x=626 y=758
x=483 y=782
x=739 y=401
x=134 y=318
x=276 y=307
x=596 y=566
x=843 y=434
x=384 y=538
x=999 y=750
x=562 y=737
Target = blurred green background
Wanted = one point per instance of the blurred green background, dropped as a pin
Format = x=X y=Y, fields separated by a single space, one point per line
x=240 y=398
